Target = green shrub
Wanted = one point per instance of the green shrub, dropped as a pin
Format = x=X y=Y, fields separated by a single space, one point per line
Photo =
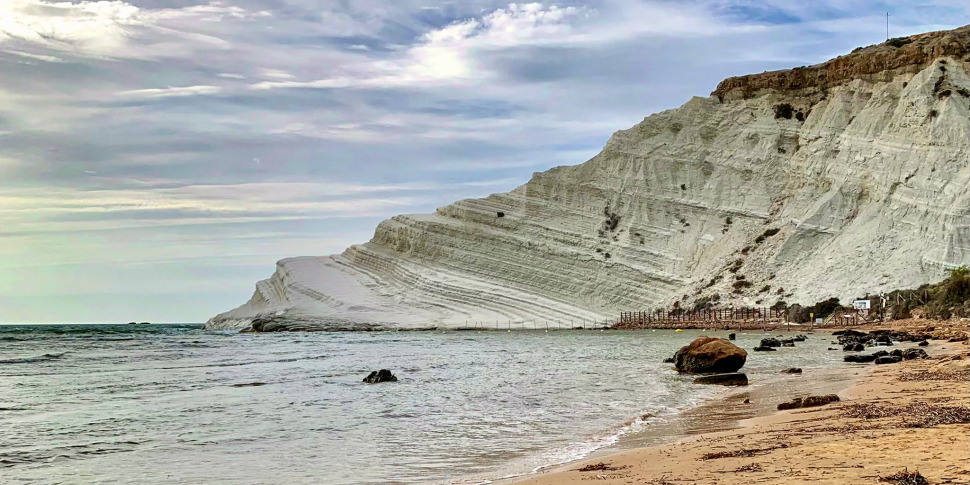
x=784 y=110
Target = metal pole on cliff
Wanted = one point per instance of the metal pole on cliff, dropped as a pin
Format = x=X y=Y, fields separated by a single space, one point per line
x=887 y=25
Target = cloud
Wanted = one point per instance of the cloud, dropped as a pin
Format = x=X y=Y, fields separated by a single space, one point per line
x=112 y=28
x=171 y=92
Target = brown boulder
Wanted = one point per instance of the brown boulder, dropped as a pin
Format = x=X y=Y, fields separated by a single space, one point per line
x=709 y=355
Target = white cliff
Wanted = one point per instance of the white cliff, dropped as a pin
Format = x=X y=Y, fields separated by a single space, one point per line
x=863 y=186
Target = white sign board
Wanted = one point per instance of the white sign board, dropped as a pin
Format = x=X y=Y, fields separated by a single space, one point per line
x=818 y=320
x=861 y=304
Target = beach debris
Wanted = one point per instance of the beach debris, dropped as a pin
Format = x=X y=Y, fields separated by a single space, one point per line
x=808 y=402
x=600 y=467
x=708 y=354
x=905 y=477
x=742 y=453
x=915 y=415
x=937 y=375
x=793 y=370
x=382 y=375
x=754 y=467
x=730 y=379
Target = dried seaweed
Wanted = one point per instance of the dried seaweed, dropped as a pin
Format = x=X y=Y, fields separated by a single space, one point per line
x=915 y=415
x=600 y=467
x=933 y=375
x=905 y=477
x=742 y=453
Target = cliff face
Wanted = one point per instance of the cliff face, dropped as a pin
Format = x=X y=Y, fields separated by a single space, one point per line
x=834 y=180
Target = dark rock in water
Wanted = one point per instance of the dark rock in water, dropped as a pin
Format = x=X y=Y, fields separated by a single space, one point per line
x=830 y=348
x=249 y=384
x=669 y=360
x=793 y=370
x=731 y=336
x=911 y=354
x=382 y=375
x=888 y=359
x=770 y=342
x=708 y=354
x=800 y=338
x=762 y=348
x=850 y=333
x=860 y=358
x=732 y=379
x=896 y=353
x=884 y=339
x=788 y=343
x=808 y=402
x=854 y=347
x=881 y=353
x=923 y=343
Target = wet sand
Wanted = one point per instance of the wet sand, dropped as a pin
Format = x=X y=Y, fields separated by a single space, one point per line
x=818 y=445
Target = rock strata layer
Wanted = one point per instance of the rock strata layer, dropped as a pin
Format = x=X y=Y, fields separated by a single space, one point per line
x=841 y=179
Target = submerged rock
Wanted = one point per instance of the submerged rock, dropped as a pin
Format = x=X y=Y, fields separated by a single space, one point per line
x=788 y=343
x=762 y=348
x=793 y=370
x=708 y=354
x=854 y=347
x=731 y=336
x=911 y=354
x=923 y=343
x=378 y=376
x=731 y=379
x=770 y=342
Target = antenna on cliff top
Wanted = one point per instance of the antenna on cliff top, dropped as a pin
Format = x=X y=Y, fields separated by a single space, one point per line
x=887 y=25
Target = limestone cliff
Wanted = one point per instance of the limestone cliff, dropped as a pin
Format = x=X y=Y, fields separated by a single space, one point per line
x=848 y=177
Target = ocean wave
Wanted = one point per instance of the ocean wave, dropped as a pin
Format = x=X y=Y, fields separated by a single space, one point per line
x=31 y=360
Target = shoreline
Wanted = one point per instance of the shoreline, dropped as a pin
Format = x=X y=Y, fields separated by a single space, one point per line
x=810 y=437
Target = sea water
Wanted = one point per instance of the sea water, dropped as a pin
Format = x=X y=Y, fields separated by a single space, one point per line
x=177 y=404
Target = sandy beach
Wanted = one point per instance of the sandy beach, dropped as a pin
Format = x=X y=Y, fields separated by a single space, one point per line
x=905 y=417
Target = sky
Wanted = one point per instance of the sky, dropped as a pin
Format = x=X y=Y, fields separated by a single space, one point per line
x=157 y=157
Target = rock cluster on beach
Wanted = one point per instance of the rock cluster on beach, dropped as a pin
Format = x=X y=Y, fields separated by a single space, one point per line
x=781 y=176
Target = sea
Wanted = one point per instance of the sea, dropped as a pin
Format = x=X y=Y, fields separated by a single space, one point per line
x=159 y=404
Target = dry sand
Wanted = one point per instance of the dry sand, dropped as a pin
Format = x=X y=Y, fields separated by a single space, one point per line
x=823 y=444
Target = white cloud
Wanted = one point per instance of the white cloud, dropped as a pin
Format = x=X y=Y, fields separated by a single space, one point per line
x=171 y=92
x=447 y=54
x=276 y=74
x=112 y=28
x=39 y=57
